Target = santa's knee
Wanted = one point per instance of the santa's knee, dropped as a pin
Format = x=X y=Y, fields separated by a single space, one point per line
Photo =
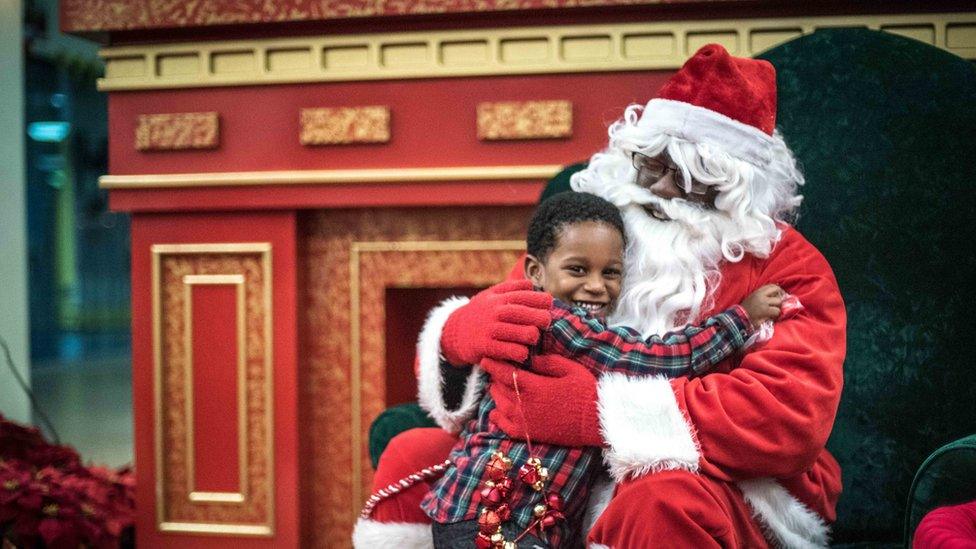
x=408 y=453
x=667 y=509
x=411 y=451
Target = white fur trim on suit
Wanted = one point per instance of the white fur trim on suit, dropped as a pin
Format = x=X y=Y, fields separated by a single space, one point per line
x=430 y=384
x=644 y=427
x=700 y=125
x=370 y=534
x=785 y=521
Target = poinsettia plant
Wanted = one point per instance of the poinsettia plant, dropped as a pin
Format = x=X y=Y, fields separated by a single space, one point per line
x=48 y=498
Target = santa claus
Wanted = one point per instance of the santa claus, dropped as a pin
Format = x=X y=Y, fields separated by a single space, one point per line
x=735 y=458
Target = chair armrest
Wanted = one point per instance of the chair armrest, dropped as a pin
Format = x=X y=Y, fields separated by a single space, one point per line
x=391 y=422
x=945 y=478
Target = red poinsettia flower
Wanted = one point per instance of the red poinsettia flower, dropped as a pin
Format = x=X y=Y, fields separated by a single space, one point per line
x=47 y=497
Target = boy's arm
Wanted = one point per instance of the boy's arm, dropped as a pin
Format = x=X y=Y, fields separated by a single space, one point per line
x=691 y=350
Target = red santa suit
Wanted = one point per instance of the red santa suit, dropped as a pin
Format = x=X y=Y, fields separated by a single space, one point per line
x=763 y=425
x=733 y=458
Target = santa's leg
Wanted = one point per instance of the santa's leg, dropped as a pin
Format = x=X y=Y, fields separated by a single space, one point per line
x=676 y=509
x=398 y=522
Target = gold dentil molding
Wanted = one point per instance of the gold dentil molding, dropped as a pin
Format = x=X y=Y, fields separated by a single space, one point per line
x=485 y=52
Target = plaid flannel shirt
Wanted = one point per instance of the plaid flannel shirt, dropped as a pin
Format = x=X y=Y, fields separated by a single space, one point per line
x=575 y=334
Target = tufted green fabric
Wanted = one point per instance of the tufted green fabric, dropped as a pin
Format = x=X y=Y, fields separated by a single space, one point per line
x=948 y=477
x=884 y=129
x=392 y=422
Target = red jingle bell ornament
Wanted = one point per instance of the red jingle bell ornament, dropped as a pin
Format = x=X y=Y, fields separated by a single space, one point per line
x=489 y=521
x=550 y=519
x=492 y=496
x=498 y=467
x=482 y=541
x=528 y=474
x=554 y=501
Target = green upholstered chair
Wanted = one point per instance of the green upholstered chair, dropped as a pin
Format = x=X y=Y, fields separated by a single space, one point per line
x=883 y=127
x=885 y=130
x=948 y=477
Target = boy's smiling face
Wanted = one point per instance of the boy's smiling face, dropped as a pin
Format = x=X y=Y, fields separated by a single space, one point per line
x=584 y=268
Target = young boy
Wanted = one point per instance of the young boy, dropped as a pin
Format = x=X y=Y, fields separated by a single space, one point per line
x=575 y=247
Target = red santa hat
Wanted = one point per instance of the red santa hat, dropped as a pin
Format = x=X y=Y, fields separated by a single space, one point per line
x=723 y=101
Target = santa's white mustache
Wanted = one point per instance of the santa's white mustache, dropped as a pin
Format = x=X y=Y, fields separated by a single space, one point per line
x=692 y=217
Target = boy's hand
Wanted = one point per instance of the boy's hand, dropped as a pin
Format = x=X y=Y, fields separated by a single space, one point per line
x=500 y=323
x=764 y=304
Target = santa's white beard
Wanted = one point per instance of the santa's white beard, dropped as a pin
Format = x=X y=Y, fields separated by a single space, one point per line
x=671 y=268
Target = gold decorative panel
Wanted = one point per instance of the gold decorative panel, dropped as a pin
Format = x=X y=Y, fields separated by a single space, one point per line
x=345 y=125
x=636 y=45
x=176 y=131
x=961 y=38
x=350 y=258
x=289 y=59
x=241 y=62
x=525 y=120
x=177 y=268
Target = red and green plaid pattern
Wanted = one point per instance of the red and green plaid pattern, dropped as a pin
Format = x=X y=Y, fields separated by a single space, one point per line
x=574 y=333
x=455 y=496
x=690 y=351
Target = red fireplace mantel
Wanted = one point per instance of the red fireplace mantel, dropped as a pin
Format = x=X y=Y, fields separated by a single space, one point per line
x=248 y=243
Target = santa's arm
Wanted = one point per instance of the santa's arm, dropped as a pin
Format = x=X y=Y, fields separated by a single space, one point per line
x=500 y=323
x=769 y=417
x=450 y=394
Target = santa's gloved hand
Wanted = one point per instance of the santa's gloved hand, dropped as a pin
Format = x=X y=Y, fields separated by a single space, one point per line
x=500 y=323
x=555 y=402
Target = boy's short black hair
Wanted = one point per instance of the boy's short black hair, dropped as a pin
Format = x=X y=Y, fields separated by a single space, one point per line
x=565 y=208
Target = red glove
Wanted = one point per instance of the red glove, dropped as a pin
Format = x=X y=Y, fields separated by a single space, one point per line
x=557 y=400
x=500 y=322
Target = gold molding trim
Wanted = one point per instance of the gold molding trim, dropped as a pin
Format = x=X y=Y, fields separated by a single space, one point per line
x=525 y=120
x=356 y=249
x=236 y=280
x=217 y=497
x=215 y=529
x=500 y=51
x=331 y=177
x=177 y=131
x=158 y=251
x=345 y=125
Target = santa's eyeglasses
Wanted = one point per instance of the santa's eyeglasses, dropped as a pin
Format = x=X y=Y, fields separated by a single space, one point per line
x=651 y=170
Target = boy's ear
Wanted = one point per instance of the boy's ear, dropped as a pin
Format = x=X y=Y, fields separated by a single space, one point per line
x=533 y=270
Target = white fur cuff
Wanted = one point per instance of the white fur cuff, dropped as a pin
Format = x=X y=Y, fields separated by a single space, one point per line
x=785 y=521
x=370 y=534
x=430 y=383
x=644 y=427
x=701 y=125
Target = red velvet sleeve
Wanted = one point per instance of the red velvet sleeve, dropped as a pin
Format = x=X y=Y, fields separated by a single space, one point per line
x=771 y=415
